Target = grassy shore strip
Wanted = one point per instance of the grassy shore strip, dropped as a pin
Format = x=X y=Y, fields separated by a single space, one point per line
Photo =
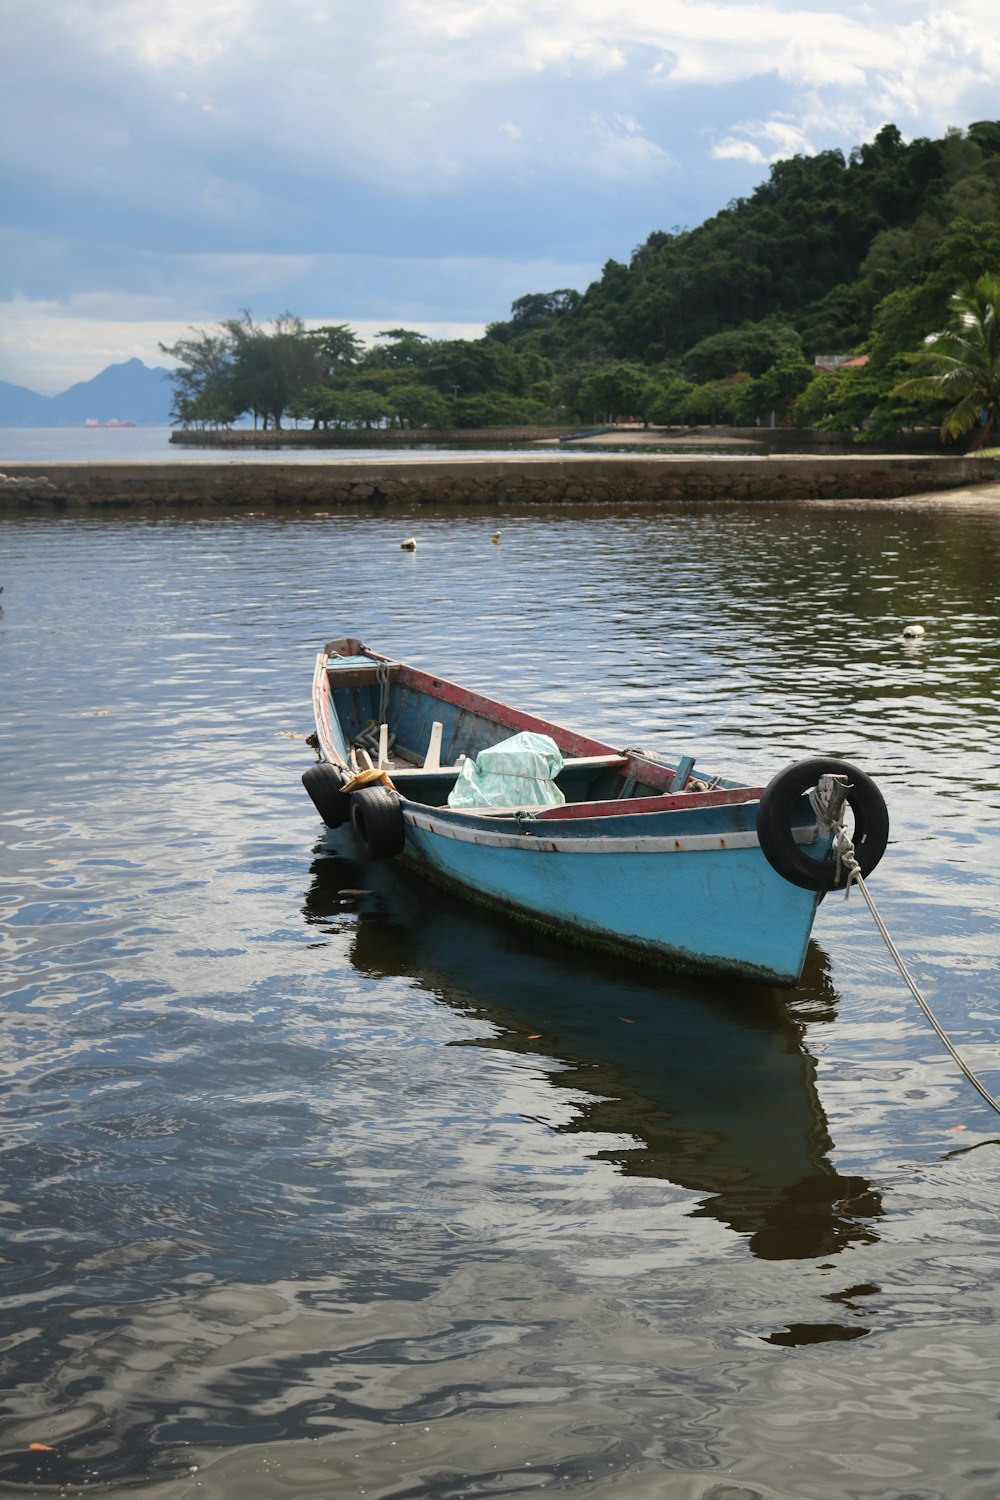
x=509 y=479
x=332 y=439
x=618 y=435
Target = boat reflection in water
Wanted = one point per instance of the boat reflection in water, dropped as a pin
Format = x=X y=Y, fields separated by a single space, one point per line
x=714 y=1082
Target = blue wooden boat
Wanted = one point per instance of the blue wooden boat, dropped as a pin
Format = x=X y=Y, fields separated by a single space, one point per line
x=626 y=851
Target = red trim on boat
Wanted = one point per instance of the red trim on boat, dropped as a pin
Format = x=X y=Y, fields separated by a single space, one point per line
x=571 y=744
x=725 y=797
x=569 y=741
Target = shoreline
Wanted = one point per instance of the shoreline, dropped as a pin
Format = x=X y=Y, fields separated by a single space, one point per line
x=551 y=479
x=610 y=438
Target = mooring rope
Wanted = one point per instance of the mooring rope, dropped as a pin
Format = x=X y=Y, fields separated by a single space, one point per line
x=846 y=857
x=383 y=679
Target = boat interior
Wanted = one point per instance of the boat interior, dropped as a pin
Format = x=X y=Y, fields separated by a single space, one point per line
x=382 y=718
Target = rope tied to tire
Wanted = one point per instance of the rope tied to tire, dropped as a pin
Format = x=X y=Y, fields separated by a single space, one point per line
x=826 y=806
x=830 y=786
x=826 y=785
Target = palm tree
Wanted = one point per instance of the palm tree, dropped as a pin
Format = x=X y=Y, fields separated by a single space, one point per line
x=962 y=364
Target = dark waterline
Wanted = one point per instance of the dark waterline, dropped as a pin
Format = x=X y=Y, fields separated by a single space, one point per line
x=153 y=445
x=317 y=1185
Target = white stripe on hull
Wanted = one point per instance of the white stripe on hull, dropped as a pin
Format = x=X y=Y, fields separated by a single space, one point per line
x=535 y=839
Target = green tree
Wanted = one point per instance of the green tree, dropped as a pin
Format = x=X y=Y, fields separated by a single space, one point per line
x=337 y=347
x=399 y=346
x=420 y=405
x=668 y=402
x=753 y=348
x=818 y=400
x=716 y=401
x=498 y=409
x=473 y=367
x=359 y=406
x=774 y=390
x=960 y=365
x=270 y=368
x=204 y=393
x=848 y=398
x=618 y=390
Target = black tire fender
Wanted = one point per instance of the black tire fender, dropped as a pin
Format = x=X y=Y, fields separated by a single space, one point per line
x=777 y=808
x=325 y=784
x=377 y=820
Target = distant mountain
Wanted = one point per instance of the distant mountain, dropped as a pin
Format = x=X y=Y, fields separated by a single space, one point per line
x=130 y=392
x=20 y=407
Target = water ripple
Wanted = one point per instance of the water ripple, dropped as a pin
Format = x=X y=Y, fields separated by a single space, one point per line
x=312 y=1186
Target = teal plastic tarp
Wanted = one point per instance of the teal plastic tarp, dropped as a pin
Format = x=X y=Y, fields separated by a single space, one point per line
x=519 y=772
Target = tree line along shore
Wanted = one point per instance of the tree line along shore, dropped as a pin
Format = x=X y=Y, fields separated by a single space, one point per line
x=809 y=303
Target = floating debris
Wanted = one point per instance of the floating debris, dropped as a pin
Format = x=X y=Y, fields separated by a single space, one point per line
x=410 y=545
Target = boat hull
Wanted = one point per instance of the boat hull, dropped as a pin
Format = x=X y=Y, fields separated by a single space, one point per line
x=705 y=903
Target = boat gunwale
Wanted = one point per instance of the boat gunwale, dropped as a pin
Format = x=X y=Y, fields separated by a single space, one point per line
x=571 y=743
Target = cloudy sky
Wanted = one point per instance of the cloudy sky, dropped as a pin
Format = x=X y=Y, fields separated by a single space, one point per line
x=377 y=162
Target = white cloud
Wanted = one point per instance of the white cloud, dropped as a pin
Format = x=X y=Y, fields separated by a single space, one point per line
x=426 y=158
x=171 y=33
x=733 y=149
x=779 y=137
x=401 y=45
x=617 y=149
x=416 y=94
x=683 y=41
x=944 y=61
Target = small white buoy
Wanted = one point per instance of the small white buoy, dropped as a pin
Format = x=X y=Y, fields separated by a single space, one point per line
x=910 y=632
x=410 y=545
x=496 y=536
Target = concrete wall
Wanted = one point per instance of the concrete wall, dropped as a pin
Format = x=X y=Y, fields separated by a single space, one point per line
x=768 y=439
x=378 y=437
x=508 y=480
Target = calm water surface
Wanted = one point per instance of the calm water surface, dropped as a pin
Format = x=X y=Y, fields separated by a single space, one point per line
x=153 y=445
x=315 y=1184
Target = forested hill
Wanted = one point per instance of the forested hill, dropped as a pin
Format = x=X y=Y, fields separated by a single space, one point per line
x=722 y=323
x=828 y=256
x=819 y=244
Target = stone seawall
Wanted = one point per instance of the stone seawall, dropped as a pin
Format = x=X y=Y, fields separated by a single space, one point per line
x=501 y=481
x=399 y=439
x=389 y=438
